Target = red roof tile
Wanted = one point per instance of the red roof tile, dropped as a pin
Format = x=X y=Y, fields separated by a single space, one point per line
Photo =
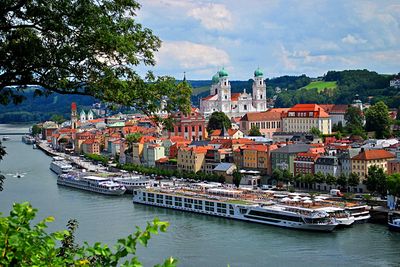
x=261 y=116
x=374 y=154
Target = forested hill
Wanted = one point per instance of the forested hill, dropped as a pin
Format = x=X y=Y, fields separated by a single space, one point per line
x=35 y=109
x=337 y=87
x=369 y=85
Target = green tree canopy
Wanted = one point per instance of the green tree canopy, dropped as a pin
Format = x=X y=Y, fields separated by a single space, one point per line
x=376 y=181
x=378 y=120
x=354 y=119
x=218 y=120
x=354 y=179
x=342 y=180
x=315 y=131
x=237 y=177
x=82 y=47
x=393 y=184
x=22 y=244
x=255 y=131
x=58 y=118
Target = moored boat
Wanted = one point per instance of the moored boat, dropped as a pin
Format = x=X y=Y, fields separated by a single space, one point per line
x=29 y=140
x=61 y=166
x=343 y=217
x=268 y=213
x=133 y=182
x=91 y=183
x=360 y=213
x=393 y=222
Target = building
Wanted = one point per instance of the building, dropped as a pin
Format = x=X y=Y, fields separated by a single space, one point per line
x=328 y=165
x=303 y=117
x=395 y=83
x=226 y=134
x=255 y=157
x=367 y=158
x=305 y=163
x=344 y=157
x=191 y=126
x=268 y=122
x=283 y=157
x=191 y=159
x=74 y=116
x=151 y=153
x=336 y=113
x=234 y=104
x=393 y=166
x=91 y=146
x=48 y=129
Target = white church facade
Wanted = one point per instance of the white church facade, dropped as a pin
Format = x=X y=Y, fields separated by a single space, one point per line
x=234 y=104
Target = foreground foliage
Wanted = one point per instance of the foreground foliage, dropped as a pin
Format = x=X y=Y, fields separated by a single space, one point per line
x=24 y=245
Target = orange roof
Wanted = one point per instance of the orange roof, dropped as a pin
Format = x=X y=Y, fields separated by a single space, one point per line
x=374 y=154
x=327 y=107
x=256 y=147
x=319 y=111
x=146 y=139
x=235 y=96
x=261 y=116
x=217 y=132
x=279 y=110
x=242 y=141
x=208 y=97
x=177 y=138
x=90 y=141
x=96 y=120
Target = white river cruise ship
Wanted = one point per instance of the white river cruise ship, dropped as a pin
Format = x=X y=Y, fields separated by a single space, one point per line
x=220 y=203
x=91 y=183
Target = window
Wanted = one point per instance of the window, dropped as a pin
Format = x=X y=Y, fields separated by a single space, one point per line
x=186 y=129
x=245 y=107
x=193 y=129
x=226 y=97
x=199 y=128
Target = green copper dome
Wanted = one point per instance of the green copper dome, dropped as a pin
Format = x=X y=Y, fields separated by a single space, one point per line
x=215 y=78
x=258 y=73
x=223 y=73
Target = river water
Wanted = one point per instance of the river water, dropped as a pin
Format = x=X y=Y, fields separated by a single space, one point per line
x=196 y=240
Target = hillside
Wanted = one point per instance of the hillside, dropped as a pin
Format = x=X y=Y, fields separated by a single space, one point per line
x=320 y=85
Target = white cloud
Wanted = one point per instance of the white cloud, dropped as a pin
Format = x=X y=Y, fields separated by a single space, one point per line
x=351 y=39
x=190 y=55
x=213 y=16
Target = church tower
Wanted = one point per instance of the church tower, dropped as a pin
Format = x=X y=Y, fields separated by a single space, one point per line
x=214 y=84
x=224 y=91
x=90 y=115
x=259 y=91
x=83 y=116
x=74 y=116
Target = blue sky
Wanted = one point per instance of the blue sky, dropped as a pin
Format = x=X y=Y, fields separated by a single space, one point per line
x=282 y=37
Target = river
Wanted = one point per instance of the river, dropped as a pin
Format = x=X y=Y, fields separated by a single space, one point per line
x=196 y=240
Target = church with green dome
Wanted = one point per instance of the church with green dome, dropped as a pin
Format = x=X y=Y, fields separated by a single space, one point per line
x=234 y=104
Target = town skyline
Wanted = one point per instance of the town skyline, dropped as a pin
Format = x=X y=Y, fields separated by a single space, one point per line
x=201 y=37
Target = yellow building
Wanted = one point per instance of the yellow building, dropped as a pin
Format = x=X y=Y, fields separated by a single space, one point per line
x=301 y=118
x=255 y=156
x=368 y=158
x=191 y=159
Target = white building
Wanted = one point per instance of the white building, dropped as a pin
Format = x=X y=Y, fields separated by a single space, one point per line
x=395 y=83
x=236 y=104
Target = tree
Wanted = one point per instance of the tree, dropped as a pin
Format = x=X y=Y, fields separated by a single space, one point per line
x=58 y=118
x=255 y=131
x=277 y=175
x=354 y=119
x=342 y=180
x=308 y=179
x=85 y=48
x=354 y=179
x=237 y=177
x=315 y=131
x=24 y=245
x=36 y=129
x=218 y=120
x=393 y=184
x=330 y=179
x=376 y=181
x=378 y=120
x=319 y=177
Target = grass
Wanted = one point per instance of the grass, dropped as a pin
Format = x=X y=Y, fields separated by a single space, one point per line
x=320 y=85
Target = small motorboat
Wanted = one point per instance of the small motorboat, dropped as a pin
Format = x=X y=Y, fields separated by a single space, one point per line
x=393 y=222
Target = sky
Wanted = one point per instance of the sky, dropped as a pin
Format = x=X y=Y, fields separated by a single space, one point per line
x=281 y=37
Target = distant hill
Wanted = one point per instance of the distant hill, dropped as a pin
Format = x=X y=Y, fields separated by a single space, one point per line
x=320 y=85
x=369 y=85
x=35 y=109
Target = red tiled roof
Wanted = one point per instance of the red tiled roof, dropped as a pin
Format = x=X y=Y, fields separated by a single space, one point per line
x=217 y=132
x=261 y=116
x=308 y=108
x=308 y=155
x=146 y=139
x=208 y=97
x=235 y=96
x=279 y=110
x=374 y=154
x=242 y=141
